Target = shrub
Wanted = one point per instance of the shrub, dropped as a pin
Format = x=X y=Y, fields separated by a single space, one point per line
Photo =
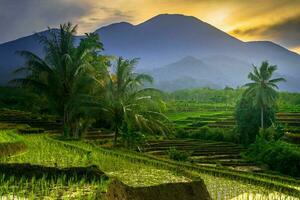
x=30 y=130
x=248 y=119
x=293 y=137
x=274 y=132
x=278 y=155
x=132 y=139
x=201 y=133
x=180 y=133
x=217 y=134
x=177 y=155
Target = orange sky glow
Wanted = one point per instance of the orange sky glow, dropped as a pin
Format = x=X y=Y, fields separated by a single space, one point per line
x=246 y=20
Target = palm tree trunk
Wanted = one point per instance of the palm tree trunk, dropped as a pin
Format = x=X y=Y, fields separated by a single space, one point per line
x=65 y=123
x=116 y=136
x=66 y=127
x=262 y=117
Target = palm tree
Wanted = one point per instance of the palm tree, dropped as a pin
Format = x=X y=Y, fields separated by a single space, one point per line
x=62 y=75
x=262 y=88
x=126 y=104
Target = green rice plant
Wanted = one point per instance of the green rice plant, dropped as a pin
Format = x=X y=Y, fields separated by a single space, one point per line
x=10 y=143
x=136 y=169
x=50 y=152
x=56 y=188
x=260 y=184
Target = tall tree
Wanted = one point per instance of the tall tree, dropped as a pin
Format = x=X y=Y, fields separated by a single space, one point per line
x=263 y=88
x=248 y=119
x=127 y=104
x=62 y=75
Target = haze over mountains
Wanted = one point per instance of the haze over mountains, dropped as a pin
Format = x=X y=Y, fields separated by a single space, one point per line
x=179 y=51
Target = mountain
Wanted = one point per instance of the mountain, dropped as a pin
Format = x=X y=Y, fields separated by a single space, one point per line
x=214 y=72
x=167 y=38
x=175 y=48
x=9 y=58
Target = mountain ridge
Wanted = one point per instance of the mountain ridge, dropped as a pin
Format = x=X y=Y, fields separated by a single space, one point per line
x=168 y=38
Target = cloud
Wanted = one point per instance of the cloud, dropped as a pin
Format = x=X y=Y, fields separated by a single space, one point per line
x=18 y=18
x=24 y=17
x=100 y=16
x=286 y=32
x=249 y=20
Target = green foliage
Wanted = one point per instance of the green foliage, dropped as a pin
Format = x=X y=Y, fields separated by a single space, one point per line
x=293 y=137
x=289 y=102
x=177 y=155
x=127 y=105
x=206 y=95
x=63 y=74
x=248 y=120
x=57 y=188
x=22 y=99
x=216 y=134
x=132 y=139
x=263 y=90
x=273 y=133
x=181 y=133
x=10 y=143
x=30 y=130
x=278 y=155
x=207 y=133
x=201 y=133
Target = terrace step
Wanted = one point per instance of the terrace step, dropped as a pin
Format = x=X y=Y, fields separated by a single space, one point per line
x=233 y=163
x=202 y=151
x=220 y=126
x=197 y=153
x=98 y=134
x=288 y=114
x=104 y=136
x=195 y=148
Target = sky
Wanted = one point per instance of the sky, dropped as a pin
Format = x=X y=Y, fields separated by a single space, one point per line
x=248 y=20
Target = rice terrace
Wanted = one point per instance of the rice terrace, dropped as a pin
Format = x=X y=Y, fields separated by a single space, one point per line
x=201 y=103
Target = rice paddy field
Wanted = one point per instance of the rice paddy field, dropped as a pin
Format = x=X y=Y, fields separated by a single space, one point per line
x=192 y=116
x=152 y=167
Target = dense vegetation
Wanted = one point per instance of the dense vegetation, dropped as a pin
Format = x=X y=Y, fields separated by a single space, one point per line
x=278 y=155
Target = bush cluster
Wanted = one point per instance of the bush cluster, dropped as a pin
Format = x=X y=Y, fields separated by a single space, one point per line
x=277 y=155
x=273 y=133
x=177 y=155
x=207 y=133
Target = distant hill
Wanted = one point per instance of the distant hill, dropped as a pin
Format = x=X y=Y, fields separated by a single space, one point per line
x=178 y=47
x=214 y=72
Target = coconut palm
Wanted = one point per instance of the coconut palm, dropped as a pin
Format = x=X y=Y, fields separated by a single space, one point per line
x=62 y=75
x=127 y=105
x=263 y=88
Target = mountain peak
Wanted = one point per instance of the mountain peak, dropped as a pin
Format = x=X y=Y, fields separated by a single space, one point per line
x=190 y=59
x=168 y=19
x=119 y=26
x=172 y=17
